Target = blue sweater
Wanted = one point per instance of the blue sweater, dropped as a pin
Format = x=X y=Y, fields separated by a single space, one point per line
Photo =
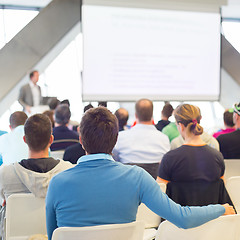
x=99 y=191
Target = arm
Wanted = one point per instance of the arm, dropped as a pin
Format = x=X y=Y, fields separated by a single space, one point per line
x=183 y=217
x=51 y=220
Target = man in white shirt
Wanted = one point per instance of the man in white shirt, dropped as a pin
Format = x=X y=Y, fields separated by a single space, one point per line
x=143 y=144
x=12 y=147
x=30 y=94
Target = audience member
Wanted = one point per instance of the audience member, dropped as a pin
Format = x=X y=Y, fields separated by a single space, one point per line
x=50 y=115
x=100 y=191
x=228 y=123
x=230 y=142
x=143 y=144
x=102 y=103
x=208 y=139
x=171 y=131
x=32 y=174
x=1 y=133
x=89 y=106
x=74 y=152
x=63 y=136
x=122 y=116
x=53 y=103
x=12 y=147
x=30 y=94
x=193 y=164
x=165 y=115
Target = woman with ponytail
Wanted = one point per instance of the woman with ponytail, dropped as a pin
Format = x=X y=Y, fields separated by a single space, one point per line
x=193 y=162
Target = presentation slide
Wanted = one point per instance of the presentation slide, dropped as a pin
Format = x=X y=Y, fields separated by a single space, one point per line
x=133 y=53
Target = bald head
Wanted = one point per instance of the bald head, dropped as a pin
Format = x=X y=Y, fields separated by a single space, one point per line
x=144 y=110
x=122 y=116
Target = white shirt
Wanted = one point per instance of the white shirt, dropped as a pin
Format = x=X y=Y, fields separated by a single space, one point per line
x=12 y=147
x=141 y=144
x=35 y=93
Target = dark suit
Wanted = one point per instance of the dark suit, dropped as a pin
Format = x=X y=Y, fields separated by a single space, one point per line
x=25 y=96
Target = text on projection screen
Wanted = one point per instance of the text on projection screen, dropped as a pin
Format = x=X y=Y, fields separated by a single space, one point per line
x=162 y=55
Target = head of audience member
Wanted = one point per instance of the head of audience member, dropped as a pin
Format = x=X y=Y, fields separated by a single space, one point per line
x=102 y=104
x=98 y=131
x=65 y=101
x=228 y=119
x=89 y=106
x=188 y=120
x=122 y=116
x=38 y=133
x=53 y=103
x=17 y=119
x=62 y=115
x=167 y=111
x=236 y=115
x=144 y=111
x=34 y=76
x=50 y=115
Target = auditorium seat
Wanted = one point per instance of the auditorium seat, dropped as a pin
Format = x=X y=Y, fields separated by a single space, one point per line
x=222 y=228
x=232 y=168
x=129 y=231
x=233 y=188
x=25 y=216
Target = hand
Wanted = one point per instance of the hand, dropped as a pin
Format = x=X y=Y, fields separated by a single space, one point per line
x=28 y=109
x=229 y=210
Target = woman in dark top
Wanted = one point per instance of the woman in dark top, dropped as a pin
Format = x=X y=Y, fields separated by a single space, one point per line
x=194 y=163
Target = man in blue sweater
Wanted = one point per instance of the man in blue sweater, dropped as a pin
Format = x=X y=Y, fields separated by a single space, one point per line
x=99 y=190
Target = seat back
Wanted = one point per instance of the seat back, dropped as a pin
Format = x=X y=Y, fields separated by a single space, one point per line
x=57 y=154
x=222 y=228
x=151 y=219
x=126 y=231
x=25 y=216
x=233 y=187
x=232 y=168
x=198 y=193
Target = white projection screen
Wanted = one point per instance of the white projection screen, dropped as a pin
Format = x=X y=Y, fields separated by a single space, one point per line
x=133 y=53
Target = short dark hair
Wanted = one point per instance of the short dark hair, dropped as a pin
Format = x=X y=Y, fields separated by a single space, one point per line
x=62 y=114
x=167 y=110
x=65 y=101
x=102 y=103
x=32 y=73
x=17 y=118
x=144 y=109
x=228 y=118
x=53 y=103
x=99 y=130
x=122 y=116
x=89 y=106
x=38 y=130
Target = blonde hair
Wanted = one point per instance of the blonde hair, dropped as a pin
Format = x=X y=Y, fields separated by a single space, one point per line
x=189 y=116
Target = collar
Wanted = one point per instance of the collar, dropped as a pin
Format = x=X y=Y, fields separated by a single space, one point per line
x=32 y=85
x=140 y=125
x=92 y=157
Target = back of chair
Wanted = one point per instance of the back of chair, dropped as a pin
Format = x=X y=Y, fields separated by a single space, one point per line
x=233 y=187
x=222 y=228
x=151 y=219
x=232 y=168
x=25 y=216
x=126 y=231
x=198 y=193
x=57 y=154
